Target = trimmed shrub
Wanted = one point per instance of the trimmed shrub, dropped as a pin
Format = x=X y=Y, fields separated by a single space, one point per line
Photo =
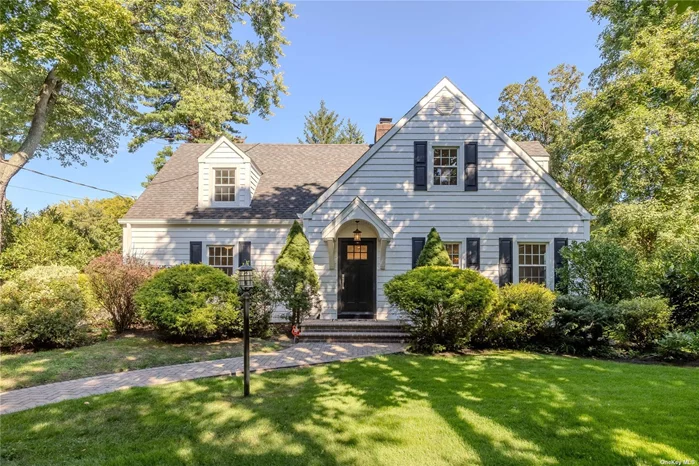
x=43 y=307
x=115 y=280
x=598 y=269
x=679 y=345
x=579 y=325
x=681 y=288
x=444 y=304
x=641 y=321
x=262 y=304
x=520 y=312
x=191 y=301
x=295 y=277
x=434 y=253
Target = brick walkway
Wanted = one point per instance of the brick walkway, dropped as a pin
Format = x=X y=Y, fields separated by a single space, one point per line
x=302 y=354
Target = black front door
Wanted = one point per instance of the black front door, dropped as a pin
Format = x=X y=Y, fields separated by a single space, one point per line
x=357 y=279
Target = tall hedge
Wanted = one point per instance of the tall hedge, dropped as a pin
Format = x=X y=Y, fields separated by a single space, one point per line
x=434 y=253
x=295 y=277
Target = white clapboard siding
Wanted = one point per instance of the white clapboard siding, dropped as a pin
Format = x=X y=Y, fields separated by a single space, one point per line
x=246 y=176
x=512 y=201
x=169 y=245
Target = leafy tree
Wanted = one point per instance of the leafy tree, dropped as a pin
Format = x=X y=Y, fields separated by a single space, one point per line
x=527 y=113
x=96 y=220
x=325 y=127
x=44 y=240
x=350 y=134
x=638 y=132
x=600 y=270
x=10 y=222
x=295 y=277
x=434 y=253
x=69 y=95
x=159 y=162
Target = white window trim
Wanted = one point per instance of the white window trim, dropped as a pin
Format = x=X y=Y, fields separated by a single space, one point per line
x=212 y=184
x=459 y=146
x=461 y=251
x=549 y=258
x=232 y=244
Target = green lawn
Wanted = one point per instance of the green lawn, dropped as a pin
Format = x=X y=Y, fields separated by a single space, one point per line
x=129 y=352
x=496 y=409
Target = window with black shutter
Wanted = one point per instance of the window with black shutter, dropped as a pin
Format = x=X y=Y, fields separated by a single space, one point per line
x=418 y=244
x=244 y=253
x=471 y=166
x=195 y=248
x=420 y=175
x=473 y=253
x=505 y=263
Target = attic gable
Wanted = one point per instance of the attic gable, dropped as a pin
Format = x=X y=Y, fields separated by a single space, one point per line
x=429 y=103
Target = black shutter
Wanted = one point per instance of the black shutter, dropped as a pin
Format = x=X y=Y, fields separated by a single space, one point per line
x=505 y=261
x=420 y=148
x=195 y=252
x=473 y=253
x=558 y=243
x=244 y=253
x=418 y=244
x=471 y=166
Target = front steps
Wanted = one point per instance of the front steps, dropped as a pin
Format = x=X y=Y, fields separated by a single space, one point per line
x=365 y=331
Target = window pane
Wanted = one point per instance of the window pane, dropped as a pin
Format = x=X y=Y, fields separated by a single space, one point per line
x=445 y=163
x=532 y=263
x=224 y=184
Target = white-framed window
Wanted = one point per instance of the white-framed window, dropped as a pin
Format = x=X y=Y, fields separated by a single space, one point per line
x=532 y=262
x=454 y=251
x=445 y=166
x=222 y=257
x=224 y=184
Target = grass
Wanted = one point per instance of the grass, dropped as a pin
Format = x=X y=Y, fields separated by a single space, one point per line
x=499 y=408
x=128 y=352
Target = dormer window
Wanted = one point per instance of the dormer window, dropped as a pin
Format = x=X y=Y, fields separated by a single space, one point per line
x=224 y=185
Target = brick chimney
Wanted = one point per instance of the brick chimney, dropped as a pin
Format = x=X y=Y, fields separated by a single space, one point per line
x=385 y=124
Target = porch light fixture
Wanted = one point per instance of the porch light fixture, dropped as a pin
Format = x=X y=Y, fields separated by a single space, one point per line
x=357 y=233
x=245 y=283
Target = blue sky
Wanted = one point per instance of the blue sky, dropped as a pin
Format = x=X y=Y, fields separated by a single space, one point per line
x=371 y=60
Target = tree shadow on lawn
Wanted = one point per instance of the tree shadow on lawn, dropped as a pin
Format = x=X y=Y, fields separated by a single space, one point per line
x=500 y=408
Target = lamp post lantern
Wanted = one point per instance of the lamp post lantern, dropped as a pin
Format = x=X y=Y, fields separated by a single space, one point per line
x=245 y=283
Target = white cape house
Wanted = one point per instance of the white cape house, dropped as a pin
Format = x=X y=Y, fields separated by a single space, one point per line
x=444 y=164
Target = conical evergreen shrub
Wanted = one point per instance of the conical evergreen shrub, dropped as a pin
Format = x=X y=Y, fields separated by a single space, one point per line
x=434 y=253
x=295 y=277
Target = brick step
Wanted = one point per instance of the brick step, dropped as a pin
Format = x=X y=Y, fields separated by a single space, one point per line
x=344 y=336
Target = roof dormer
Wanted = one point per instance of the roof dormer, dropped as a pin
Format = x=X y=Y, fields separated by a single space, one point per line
x=227 y=176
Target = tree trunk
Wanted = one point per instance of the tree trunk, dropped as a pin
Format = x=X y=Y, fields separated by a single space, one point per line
x=45 y=100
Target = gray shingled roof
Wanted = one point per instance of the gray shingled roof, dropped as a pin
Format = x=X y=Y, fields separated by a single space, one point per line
x=294 y=176
x=533 y=148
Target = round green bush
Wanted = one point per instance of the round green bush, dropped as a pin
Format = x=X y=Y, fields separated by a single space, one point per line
x=642 y=321
x=444 y=304
x=44 y=306
x=191 y=301
x=520 y=312
x=580 y=325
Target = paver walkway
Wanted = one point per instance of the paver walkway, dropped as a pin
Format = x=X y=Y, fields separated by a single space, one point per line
x=303 y=354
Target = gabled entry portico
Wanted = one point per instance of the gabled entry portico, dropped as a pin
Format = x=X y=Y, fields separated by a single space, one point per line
x=357 y=257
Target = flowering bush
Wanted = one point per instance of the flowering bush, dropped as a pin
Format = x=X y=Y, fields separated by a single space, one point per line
x=114 y=280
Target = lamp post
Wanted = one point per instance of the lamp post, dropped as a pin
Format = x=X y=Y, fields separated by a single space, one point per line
x=245 y=284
